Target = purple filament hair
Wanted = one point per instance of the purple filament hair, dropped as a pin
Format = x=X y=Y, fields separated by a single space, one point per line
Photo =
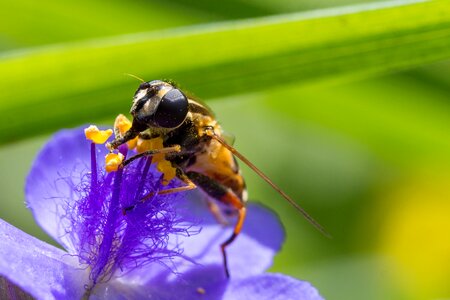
x=106 y=237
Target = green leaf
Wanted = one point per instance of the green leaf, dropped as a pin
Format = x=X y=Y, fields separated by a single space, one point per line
x=27 y=22
x=49 y=87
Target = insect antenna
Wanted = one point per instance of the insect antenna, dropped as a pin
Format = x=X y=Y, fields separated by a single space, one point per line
x=300 y=209
x=135 y=77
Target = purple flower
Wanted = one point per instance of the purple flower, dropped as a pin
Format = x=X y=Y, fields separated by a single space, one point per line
x=163 y=248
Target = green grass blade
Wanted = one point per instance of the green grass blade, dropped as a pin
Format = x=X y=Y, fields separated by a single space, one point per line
x=30 y=23
x=46 y=88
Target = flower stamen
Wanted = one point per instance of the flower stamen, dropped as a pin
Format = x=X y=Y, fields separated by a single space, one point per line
x=113 y=161
x=121 y=126
x=162 y=165
x=96 y=135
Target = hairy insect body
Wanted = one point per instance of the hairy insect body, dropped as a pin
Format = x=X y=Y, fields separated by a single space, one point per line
x=199 y=155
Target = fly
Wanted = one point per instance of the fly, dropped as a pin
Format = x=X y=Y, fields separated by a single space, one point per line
x=189 y=144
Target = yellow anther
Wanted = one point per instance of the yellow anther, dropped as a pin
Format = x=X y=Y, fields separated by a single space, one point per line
x=113 y=161
x=96 y=135
x=151 y=144
x=168 y=171
x=122 y=125
x=162 y=165
x=132 y=143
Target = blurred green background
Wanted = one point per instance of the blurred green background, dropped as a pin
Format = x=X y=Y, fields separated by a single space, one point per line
x=347 y=109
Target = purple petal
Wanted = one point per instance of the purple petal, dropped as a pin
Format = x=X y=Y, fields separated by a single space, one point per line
x=271 y=287
x=50 y=186
x=50 y=182
x=250 y=254
x=200 y=285
x=263 y=286
x=40 y=269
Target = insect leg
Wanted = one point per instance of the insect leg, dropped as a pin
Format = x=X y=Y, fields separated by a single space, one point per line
x=237 y=229
x=225 y=195
x=123 y=137
x=180 y=174
x=129 y=135
x=171 y=149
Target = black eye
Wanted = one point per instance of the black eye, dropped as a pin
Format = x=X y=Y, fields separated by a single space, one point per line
x=172 y=109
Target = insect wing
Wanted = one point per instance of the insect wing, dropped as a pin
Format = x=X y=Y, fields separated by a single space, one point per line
x=300 y=209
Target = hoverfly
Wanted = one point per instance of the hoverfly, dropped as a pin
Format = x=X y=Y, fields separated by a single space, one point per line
x=193 y=143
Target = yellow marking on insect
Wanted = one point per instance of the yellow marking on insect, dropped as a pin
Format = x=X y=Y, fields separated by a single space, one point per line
x=113 y=161
x=121 y=126
x=96 y=135
x=162 y=165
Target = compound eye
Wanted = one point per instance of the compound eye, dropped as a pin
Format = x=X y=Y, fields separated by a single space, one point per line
x=172 y=110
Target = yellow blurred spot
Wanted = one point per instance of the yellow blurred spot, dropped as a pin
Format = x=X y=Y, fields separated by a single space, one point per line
x=122 y=125
x=162 y=165
x=96 y=135
x=416 y=235
x=113 y=161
